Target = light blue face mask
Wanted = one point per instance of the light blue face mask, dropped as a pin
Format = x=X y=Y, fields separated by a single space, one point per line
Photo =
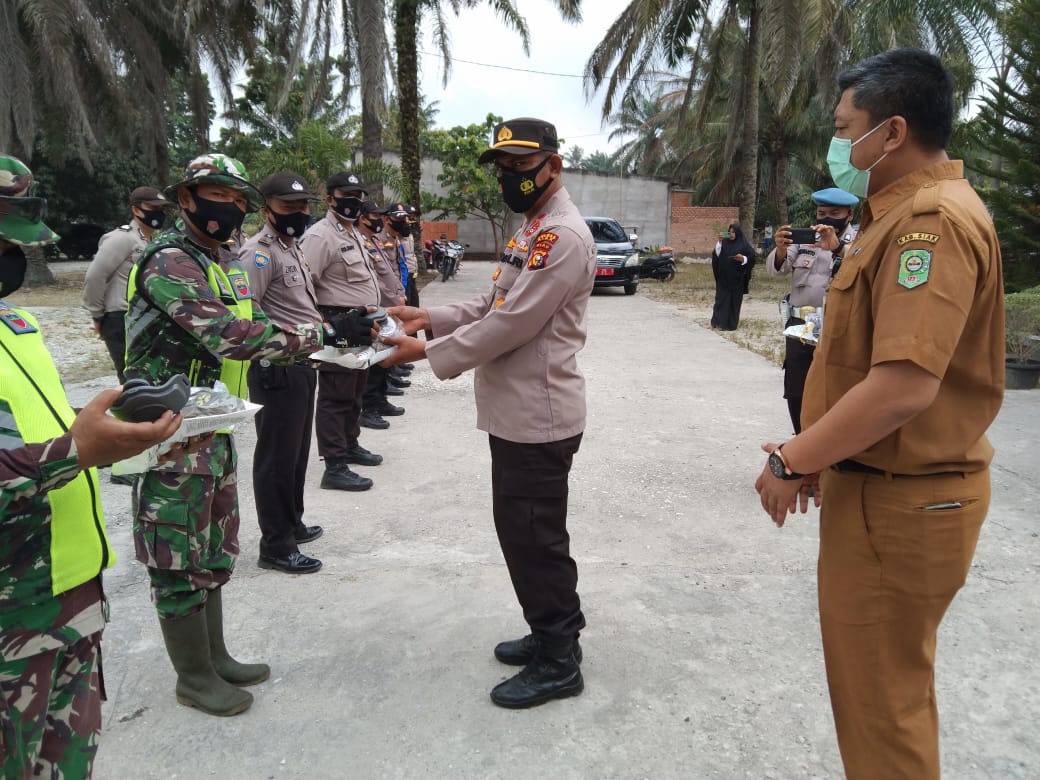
x=846 y=175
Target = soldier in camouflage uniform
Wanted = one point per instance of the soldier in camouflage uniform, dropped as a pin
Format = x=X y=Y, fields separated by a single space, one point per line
x=191 y=312
x=53 y=545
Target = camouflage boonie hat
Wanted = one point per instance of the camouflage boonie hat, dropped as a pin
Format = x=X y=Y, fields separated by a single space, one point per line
x=218 y=169
x=21 y=214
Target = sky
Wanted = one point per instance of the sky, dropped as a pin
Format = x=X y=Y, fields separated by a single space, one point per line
x=557 y=47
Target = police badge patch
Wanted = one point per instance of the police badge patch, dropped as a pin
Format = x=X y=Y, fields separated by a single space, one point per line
x=914 y=265
x=261 y=259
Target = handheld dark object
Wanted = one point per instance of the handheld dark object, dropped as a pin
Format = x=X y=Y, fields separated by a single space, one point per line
x=142 y=402
x=803 y=236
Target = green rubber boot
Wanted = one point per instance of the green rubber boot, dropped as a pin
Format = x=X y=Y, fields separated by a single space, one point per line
x=227 y=667
x=198 y=684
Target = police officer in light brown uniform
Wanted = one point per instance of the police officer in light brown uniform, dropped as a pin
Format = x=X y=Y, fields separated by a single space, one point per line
x=375 y=406
x=281 y=285
x=344 y=277
x=104 y=287
x=523 y=337
x=907 y=378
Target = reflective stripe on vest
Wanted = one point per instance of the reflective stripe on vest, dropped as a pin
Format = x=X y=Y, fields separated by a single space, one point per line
x=31 y=387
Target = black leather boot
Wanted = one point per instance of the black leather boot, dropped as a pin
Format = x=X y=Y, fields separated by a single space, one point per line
x=359 y=455
x=338 y=476
x=543 y=679
x=519 y=652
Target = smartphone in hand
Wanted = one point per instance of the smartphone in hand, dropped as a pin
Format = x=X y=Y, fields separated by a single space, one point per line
x=803 y=235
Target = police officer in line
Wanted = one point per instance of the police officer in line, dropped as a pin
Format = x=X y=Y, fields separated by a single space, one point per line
x=375 y=406
x=906 y=380
x=104 y=287
x=811 y=267
x=344 y=278
x=281 y=285
x=523 y=337
x=53 y=611
x=401 y=226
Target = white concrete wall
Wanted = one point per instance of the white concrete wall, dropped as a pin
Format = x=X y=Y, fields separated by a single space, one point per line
x=639 y=203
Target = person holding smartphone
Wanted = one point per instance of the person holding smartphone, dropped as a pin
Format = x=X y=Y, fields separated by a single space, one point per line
x=731 y=264
x=810 y=266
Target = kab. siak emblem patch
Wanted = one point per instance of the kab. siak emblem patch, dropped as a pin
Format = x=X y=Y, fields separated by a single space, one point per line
x=914 y=265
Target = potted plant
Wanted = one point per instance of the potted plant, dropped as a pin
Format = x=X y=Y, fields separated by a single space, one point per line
x=1022 y=339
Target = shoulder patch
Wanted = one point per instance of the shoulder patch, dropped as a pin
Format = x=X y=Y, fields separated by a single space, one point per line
x=914 y=266
x=538 y=259
x=16 y=322
x=930 y=238
x=261 y=259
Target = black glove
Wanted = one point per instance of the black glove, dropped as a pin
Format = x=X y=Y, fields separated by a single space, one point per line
x=350 y=328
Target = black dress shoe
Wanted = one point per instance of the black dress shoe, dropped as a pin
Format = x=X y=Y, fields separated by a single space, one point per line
x=387 y=409
x=361 y=456
x=307 y=533
x=398 y=381
x=407 y=366
x=372 y=420
x=293 y=563
x=540 y=681
x=520 y=652
x=392 y=389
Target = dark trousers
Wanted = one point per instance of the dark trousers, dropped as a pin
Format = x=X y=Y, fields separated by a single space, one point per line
x=529 y=495
x=797 y=360
x=338 y=410
x=113 y=333
x=375 y=389
x=411 y=297
x=283 y=445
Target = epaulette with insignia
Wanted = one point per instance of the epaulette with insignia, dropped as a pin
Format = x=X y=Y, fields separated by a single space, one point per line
x=265 y=239
x=125 y=227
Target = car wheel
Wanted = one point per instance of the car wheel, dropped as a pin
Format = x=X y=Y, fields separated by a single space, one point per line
x=630 y=289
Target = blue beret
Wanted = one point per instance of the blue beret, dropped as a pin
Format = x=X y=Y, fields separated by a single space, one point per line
x=832 y=196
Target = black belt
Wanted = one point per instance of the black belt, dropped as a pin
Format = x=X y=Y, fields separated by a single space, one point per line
x=863 y=468
x=855 y=465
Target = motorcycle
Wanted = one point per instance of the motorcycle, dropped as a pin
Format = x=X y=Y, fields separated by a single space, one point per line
x=448 y=255
x=658 y=265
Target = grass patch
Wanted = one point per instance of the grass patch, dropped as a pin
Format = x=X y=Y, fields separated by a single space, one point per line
x=693 y=289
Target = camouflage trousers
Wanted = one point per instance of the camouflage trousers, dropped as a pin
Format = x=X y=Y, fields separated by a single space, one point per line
x=186 y=533
x=50 y=712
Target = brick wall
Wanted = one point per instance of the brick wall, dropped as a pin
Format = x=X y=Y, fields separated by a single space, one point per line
x=432 y=230
x=695 y=229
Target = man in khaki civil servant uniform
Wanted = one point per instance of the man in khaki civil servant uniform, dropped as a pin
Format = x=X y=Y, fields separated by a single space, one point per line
x=908 y=377
x=344 y=278
x=104 y=287
x=523 y=337
x=281 y=286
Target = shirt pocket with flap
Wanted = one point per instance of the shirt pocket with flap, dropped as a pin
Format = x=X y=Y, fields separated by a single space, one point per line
x=840 y=301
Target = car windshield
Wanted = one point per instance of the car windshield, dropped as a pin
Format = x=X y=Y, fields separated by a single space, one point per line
x=607 y=231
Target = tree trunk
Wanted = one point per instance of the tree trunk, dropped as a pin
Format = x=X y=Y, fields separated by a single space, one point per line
x=369 y=19
x=37 y=272
x=406 y=33
x=779 y=193
x=749 y=159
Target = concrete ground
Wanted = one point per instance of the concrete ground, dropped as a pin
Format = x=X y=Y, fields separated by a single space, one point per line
x=702 y=652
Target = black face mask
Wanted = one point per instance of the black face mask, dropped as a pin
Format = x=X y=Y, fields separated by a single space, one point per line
x=401 y=227
x=839 y=224
x=375 y=224
x=519 y=190
x=291 y=225
x=12 y=270
x=348 y=208
x=214 y=218
x=153 y=219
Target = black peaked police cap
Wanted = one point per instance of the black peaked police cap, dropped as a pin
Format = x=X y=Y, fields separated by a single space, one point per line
x=524 y=135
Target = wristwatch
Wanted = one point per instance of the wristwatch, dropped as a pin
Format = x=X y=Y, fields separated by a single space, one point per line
x=778 y=466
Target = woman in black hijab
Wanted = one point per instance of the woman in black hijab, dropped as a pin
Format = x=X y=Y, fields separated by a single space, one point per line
x=731 y=262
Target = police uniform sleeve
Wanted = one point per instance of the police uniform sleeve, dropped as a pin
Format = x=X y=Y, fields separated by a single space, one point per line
x=113 y=250
x=923 y=292
x=316 y=250
x=256 y=261
x=177 y=284
x=785 y=267
x=559 y=264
